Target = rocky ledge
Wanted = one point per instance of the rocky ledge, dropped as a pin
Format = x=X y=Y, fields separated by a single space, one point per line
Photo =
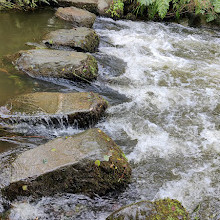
x=57 y=64
x=158 y=210
x=80 y=109
x=89 y=162
x=78 y=17
x=80 y=39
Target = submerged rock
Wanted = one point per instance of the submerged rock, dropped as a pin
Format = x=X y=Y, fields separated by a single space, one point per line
x=57 y=64
x=80 y=39
x=78 y=17
x=82 y=109
x=146 y=210
x=89 y=162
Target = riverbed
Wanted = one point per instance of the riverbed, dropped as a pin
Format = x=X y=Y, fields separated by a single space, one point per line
x=162 y=82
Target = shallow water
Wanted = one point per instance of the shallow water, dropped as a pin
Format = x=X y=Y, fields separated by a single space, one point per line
x=162 y=81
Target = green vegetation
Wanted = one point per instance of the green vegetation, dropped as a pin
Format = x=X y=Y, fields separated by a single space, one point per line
x=160 y=9
x=116 y=9
x=22 y=4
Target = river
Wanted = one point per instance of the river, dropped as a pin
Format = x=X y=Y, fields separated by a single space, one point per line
x=162 y=82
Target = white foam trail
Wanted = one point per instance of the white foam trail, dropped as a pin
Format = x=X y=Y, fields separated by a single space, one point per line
x=195 y=185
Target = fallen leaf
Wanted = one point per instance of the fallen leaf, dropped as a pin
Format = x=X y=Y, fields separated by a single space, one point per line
x=106 y=158
x=24 y=187
x=97 y=163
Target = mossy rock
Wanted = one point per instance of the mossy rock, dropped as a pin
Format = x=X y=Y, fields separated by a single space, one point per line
x=89 y=162
x=166 y=209
x=81 y=39
x=70 y=65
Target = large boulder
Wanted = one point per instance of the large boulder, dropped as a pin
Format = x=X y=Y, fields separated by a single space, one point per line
x=79 y=17
x=82 y=109
x=145 y=210
x=57 y=64
x=80 y=39
x=89 y=162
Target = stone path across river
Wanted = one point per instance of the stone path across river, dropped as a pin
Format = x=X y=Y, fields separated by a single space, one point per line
x=89 y=162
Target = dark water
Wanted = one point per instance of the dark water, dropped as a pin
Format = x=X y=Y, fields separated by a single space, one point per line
x=162 y=82
x=16 y=30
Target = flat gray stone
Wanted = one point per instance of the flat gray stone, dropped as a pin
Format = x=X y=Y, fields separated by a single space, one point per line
x=80 y=39
x=69 y=164
x=79 y=17
x=57 y=64
x=83 y=109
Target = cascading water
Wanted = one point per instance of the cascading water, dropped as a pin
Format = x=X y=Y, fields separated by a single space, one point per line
x=167 y=119
x=172 y=79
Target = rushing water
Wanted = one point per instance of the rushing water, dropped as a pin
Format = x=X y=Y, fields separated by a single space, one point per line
x=162 y=81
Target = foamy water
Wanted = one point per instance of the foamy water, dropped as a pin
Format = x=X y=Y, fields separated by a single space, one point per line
x=172 y=78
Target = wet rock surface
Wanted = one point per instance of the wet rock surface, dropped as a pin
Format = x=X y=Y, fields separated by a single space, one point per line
x=161 y=209
x=80 y=39
x=79 y=17
x=82 y=109
x=89 y=162
x=57 y=64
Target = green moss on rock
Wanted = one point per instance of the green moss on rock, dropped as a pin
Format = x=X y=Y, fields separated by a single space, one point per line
x=67 y=164
x=57 y=64
x=80 y=39
x=164 y=209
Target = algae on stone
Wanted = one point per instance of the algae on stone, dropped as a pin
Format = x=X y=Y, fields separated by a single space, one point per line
x=80 y=39
x=70 y=168
x=57 y=64
x=164 y=209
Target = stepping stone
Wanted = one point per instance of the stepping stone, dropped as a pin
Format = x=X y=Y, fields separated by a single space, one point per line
x=57 y=64
x=82 y=109
x=79 y=17
x=94 y=6
x=80 y=39
x=89 y=162
x=89 y=5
